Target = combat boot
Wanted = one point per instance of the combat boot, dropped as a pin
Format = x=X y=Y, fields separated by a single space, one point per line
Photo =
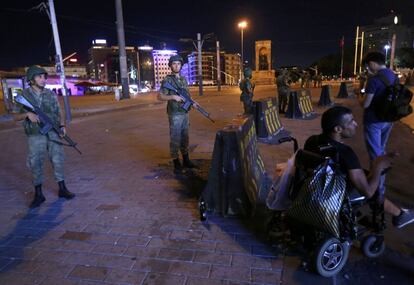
x=177 y=166
x=187 y=162
x=64 y=192
x=38 y=197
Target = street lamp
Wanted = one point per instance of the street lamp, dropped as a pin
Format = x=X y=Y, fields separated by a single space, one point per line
x=386 y=47
x=242 y=25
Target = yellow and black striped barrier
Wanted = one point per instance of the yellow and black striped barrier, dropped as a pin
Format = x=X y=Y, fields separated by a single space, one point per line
x=300 y=105
x=237 y=180
x=268 y=125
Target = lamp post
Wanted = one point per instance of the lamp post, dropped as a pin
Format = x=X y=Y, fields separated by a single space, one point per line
x=242 y=25
x=386 y=47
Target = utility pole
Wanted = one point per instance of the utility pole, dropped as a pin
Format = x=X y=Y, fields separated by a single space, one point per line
x=356 y=50
x=60 y=69
x=342 y=56
x=218 y=67
x=122 y=52
x=200 y=67
x=393 y=42
x=138 y=71
x=362 y=51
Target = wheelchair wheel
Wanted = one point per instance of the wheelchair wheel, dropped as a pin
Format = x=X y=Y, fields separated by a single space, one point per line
x=373 y=246
x=331 y=257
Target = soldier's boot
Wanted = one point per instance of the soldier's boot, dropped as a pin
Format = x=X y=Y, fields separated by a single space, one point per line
x=187 y=162
x=38 y=197
x=64 y=192
x=177 y=166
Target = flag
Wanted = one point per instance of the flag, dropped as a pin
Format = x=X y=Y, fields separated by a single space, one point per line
x=342 y=42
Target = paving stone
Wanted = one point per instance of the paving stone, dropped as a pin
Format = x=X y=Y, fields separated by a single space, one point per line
x=53 y=269
x=19 y=278
x=107 y=207
x=89 y=272
x=266 y=276
x=230 y=273
x=190 y=269
x=116 y=261
x=205 y=281
x=141 y=251
x=79 y=236
x=125 y=276
x=257 y=261
x=174 y=254
x=59 y=281
x=25 y=266
x=152 y=265
x=163 y=279
x=212 y=258
x=110 y=249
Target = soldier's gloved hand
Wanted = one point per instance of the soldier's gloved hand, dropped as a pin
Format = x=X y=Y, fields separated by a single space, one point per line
x=178 y=98
x=33 y=117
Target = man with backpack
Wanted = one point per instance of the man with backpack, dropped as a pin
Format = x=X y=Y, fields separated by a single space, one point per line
x=384 y=102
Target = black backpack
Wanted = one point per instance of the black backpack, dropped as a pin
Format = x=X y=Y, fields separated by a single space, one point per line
x=396 y=104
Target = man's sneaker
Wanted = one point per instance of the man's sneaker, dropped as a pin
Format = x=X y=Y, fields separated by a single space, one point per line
x=406 y=217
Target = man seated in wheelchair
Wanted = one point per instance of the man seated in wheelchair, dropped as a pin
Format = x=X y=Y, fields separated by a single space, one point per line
x=337 y=125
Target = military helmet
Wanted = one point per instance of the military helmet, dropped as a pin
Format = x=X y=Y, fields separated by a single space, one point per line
x=247 y=72
x=34 y=70
x=175 y=58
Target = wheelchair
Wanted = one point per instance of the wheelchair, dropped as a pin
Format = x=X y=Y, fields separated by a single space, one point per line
x=361 y=220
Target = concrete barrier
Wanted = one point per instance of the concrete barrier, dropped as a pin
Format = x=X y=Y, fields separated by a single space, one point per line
x=237 y=180
x=300 y=105
x=325 y=98
x=268 y=125
x=346 y=90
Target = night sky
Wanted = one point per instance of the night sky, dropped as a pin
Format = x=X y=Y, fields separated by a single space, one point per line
x=301 y=31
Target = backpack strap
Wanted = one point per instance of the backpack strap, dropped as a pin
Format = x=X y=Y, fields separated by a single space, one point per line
x=385 y=80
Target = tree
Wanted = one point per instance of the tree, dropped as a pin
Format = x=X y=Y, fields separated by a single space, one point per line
x=331 y=64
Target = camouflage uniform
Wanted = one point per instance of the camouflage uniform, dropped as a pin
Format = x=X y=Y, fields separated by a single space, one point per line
x=40 y=144
x=283 y=92
x=177 y=116
x=247 y=87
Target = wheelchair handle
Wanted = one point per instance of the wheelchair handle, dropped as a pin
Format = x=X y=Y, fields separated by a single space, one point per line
x=288 y=139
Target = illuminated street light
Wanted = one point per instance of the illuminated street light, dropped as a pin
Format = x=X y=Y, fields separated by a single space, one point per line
x=386 y=47
x=242 y=25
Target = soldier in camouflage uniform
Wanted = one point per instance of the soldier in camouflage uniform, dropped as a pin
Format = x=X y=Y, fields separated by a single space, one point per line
x=39 y=144
x=282 y=90
x=177 y=116
x=247 y=88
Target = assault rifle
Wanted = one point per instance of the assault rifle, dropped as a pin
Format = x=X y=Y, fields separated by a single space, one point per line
x=188 y=101
x=46 y=123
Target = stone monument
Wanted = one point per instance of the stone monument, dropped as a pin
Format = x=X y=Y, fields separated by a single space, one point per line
x=263 y=73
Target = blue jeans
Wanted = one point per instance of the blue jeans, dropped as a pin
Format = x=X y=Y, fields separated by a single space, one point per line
x=376 y=138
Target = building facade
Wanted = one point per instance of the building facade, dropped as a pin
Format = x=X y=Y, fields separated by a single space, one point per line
x=379 y=35
x=103 y=63
x=146 y=77
x=209 y=69
x=232 y=68
x=161 y=67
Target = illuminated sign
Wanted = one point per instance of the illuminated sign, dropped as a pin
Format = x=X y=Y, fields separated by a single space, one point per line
x=145 y=48
x=99 y=42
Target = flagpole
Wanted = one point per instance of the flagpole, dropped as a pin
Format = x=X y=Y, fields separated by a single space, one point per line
x=342 y=56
